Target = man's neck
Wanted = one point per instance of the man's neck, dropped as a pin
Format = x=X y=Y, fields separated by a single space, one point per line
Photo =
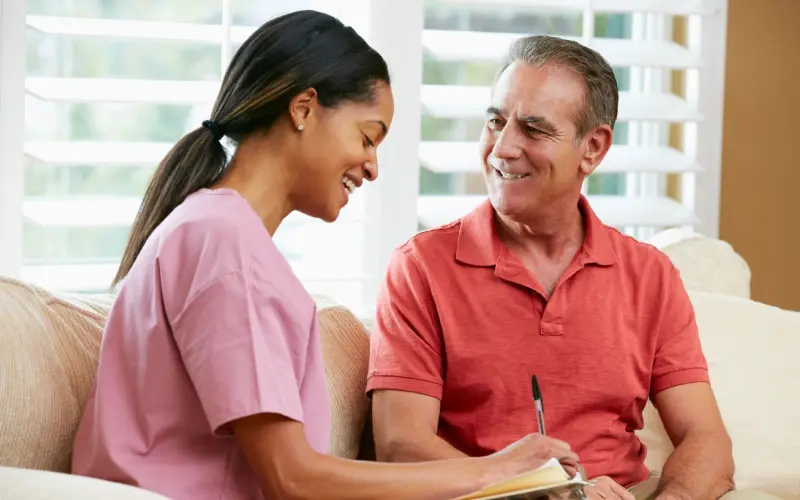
x=549 y=235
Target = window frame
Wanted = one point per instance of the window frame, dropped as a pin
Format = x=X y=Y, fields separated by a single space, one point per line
x=12 y=120
x=707 y=93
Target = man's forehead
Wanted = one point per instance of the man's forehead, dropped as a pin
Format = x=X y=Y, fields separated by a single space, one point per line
x=523 y=89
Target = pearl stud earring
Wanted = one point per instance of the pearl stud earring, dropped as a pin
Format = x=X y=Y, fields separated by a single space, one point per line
x=300 y=127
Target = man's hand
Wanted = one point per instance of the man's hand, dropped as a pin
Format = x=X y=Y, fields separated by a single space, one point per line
x=605 y=488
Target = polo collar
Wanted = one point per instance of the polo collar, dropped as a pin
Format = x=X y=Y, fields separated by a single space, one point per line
x=480 y=245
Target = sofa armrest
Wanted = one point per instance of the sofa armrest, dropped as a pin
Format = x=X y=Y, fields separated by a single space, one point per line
x=29 y=484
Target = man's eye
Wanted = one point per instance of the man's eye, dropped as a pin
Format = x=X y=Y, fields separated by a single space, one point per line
x=495 y=122
x=534 y=131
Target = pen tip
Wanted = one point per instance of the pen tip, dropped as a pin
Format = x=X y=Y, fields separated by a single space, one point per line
x=535 y=387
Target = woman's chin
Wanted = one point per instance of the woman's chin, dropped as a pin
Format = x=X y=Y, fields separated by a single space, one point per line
x=325 y=214
x=330 y=215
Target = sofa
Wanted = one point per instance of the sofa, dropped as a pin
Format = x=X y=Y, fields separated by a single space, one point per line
x=49 y=346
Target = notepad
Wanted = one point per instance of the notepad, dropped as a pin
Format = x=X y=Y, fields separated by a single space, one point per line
x=548 y=478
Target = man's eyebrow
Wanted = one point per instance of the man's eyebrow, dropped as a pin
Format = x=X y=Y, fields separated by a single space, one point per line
x=541 y=123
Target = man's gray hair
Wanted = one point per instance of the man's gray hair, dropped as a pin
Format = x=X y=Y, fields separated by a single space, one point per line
x=601 y=99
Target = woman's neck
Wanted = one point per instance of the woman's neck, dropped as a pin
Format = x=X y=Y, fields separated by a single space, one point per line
x=263 y=180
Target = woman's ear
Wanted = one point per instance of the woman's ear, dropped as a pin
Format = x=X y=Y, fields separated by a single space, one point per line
x=303 y=107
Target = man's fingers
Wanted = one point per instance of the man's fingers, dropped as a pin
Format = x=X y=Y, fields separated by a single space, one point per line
x=621 y=491
x=607 y=489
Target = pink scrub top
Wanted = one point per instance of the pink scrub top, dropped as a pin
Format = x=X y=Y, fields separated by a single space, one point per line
x=211 y=325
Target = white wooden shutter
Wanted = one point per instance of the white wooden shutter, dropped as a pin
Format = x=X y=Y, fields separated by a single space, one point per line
x=469 y=36
x=84 y=181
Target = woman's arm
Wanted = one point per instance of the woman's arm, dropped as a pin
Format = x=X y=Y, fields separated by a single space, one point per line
x=276 y=449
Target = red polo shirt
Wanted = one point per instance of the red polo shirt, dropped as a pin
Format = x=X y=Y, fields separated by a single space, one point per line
x=462 y=320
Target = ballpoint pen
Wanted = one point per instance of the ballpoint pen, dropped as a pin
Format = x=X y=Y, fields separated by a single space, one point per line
x=537 y=399
x=577 y=490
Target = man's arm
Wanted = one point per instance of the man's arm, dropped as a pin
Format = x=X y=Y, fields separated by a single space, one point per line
x=701 y=467
x=406 y=357
x=405 y=428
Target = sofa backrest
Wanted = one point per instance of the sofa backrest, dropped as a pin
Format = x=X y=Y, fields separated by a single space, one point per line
x=49 y=346
x=706 y=264
x=345 y=349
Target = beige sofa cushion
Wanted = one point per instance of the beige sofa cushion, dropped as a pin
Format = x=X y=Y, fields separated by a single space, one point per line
x=706 y=264
x=345 y=349
x=26 y=484
x=49 y=354
x=752 y=351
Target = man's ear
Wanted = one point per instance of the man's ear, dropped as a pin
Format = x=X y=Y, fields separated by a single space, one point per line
x=596 y=143
x=303 y=107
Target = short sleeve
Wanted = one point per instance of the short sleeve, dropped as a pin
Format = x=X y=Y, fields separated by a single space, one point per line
x=679 y=355
x=405 y=345
x=236 y=338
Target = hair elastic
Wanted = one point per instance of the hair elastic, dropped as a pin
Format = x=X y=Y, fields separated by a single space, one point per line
x=216 y=130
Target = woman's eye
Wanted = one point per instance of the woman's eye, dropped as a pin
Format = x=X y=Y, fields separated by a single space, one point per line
x=368 y=142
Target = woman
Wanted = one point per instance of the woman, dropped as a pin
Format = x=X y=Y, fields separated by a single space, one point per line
x=210 y=381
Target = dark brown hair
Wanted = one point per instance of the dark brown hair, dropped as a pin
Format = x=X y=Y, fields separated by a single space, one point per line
x=602 y=93
x=287 y=55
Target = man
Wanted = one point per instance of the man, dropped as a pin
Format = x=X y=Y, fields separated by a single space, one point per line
x=532 y=282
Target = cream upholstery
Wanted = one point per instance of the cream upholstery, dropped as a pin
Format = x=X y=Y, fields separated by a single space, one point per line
x=27 y=484
x=49 y=353
x=752 y=353
x=706 y=264
x=49 y=347
x=345 y=348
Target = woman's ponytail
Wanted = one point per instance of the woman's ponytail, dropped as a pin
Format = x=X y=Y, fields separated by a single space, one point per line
x=194 y=163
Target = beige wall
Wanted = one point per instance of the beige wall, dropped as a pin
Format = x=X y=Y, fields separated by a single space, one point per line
x=760 y=206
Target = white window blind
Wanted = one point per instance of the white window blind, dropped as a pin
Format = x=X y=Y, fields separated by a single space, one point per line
x=663 y=169
x=108 y=87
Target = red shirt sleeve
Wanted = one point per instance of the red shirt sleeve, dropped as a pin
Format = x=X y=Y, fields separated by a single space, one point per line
x=406 y=351
x=679 y=357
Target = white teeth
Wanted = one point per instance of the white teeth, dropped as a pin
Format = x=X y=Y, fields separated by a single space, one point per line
x=511 y=176
x=349 y=185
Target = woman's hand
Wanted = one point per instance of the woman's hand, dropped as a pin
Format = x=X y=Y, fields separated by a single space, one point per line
x=531 y=452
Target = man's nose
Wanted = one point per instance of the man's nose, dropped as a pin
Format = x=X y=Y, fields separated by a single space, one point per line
x=506 y=145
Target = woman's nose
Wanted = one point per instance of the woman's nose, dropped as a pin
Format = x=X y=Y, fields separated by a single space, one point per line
x=370 y=171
